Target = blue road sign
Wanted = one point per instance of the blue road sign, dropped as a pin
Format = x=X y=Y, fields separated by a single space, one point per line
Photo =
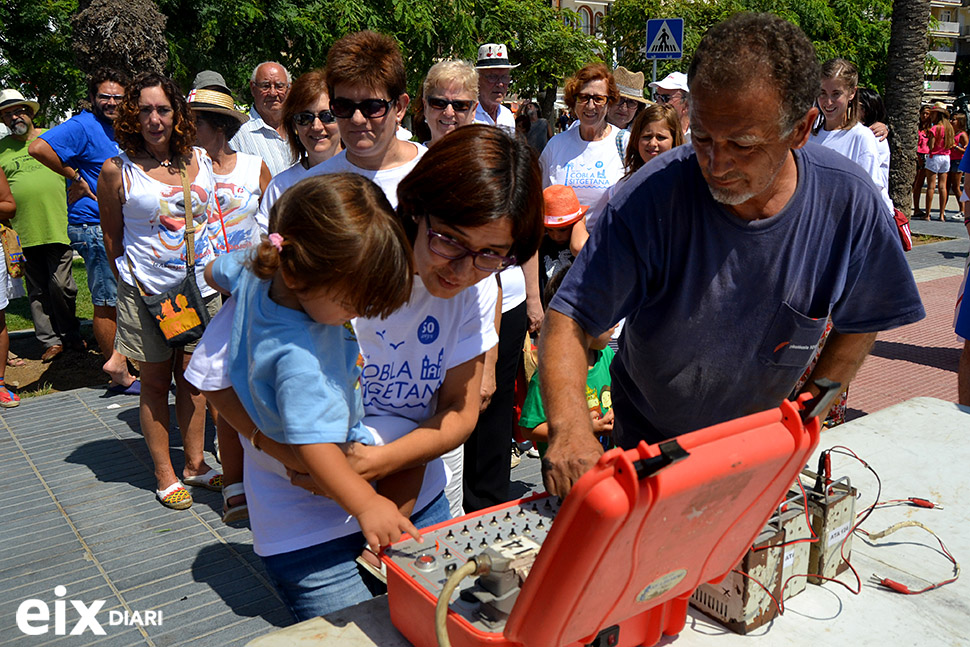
x=665 y=38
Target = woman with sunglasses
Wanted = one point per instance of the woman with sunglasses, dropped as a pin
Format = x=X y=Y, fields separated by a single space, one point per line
x=450 y=97
x=366 y=82
x=311 y=131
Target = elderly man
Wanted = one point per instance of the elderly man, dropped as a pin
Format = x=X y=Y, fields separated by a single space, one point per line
x=41 y=222
x=264 y=134
x=494 y=78
x=76 y=150
x=727 y=258
x=673 y=89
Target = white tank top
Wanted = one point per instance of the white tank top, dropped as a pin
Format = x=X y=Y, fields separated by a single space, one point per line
x=232 y=214
x=154 y=227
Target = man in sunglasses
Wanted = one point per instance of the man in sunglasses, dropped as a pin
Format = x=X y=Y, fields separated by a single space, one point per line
x=264 y=135
x=494 y=78
x=673 y=89
x=41 y=222
x=76 y=150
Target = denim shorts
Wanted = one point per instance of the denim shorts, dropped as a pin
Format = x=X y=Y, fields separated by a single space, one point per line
x=321 y=579
x=87 y=241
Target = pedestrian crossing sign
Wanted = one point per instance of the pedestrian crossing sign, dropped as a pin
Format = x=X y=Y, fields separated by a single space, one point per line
x=665 y=38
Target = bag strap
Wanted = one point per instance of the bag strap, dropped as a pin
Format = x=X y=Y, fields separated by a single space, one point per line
x=189 y=218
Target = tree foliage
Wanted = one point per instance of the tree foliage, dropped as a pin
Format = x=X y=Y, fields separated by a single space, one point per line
x=857 y=30
x=36 y=57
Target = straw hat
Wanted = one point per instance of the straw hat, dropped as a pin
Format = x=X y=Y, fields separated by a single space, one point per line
x=493 y=56
x=629 y=84
x=215 y=101
x=561 y=207
x=10 y=98
x=939 y=106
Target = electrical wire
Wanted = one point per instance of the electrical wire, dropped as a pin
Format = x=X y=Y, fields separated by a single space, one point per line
x=472 y=567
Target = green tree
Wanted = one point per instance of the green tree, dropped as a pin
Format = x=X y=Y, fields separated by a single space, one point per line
x=36 y=56
x=854 y=29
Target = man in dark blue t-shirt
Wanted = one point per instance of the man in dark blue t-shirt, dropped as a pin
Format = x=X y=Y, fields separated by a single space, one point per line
x=77 y=149
x=726 y=257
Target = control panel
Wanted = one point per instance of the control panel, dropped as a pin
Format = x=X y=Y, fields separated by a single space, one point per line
x=517 y=528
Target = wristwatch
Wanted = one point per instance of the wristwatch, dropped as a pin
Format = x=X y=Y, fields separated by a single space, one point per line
x=77 y=176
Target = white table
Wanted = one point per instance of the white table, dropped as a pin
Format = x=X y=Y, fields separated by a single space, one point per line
x=920 y=448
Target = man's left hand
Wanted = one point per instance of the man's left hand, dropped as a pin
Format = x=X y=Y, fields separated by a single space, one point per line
x=78 y=190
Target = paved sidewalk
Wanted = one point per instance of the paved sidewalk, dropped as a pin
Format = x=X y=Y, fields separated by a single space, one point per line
x=78 y=509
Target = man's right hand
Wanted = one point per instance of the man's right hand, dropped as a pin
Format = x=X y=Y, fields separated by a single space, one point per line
x=569 y=457
x=78 y=190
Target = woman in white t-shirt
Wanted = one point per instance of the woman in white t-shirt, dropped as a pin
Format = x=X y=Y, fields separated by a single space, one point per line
x=839 y=127
x=471 y=206
x=588 y=158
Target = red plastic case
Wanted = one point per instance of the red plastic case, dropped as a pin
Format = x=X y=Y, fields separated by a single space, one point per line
x=628 y=552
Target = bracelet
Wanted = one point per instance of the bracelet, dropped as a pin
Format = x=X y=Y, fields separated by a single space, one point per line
x=254 y=439
x=77 y=176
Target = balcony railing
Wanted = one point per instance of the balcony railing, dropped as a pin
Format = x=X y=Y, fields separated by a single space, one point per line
x=946 y=28
x=939 y=86
x=944 y=57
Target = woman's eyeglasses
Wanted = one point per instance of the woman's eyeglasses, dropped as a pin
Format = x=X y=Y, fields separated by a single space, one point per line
x=306 y=118
x=449 y=248
x=369 y=108
x=597 y=99
x=459 y=105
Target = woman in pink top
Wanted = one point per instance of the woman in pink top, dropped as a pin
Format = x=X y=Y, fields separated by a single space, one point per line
x=954 y=179
x=940 y=135
x=922 y=148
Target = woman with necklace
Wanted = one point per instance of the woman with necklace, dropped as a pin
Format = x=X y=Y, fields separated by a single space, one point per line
x=144 y=220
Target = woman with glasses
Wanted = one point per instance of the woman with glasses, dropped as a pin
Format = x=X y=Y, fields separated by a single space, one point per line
x=471 y=207
x=450 y=94
x=589 y=157
x=311 y=132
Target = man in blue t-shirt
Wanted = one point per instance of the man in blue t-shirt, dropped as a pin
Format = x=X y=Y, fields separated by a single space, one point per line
x=77 y=149
x=726 y=257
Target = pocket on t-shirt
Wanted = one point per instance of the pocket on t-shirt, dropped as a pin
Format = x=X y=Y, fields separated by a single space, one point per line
x=792 y=338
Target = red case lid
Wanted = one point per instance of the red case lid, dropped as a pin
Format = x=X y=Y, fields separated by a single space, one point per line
x=620 y=545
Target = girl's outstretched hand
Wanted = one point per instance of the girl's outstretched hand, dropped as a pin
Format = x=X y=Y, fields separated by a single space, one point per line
x=382 y=523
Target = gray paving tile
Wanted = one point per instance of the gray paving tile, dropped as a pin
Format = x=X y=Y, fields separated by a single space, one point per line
x=40 y=524
x=35 y=556
x=43 y=586
x=133 y=576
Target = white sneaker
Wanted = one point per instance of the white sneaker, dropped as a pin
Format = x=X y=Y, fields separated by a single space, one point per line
x=516 y=455
x=533 y=452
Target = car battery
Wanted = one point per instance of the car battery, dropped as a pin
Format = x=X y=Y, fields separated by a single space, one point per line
x=737 y=601
x=833 y=516
x=617 y=561
x=795 y=562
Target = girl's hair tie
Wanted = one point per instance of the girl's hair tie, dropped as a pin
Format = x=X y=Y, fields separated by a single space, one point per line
x=276 y=240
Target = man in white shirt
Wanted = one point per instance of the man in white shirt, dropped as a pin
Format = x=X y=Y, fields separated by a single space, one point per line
x=493 y=85
x=264 y=135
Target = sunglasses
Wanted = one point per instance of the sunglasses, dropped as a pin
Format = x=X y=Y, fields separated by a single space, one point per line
x=370 y=108
x=597 y=99
x=16 y=112
x=664 y=98
x=447 y=247
x=459 y=105
x=110 y=97
x=307 y=118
